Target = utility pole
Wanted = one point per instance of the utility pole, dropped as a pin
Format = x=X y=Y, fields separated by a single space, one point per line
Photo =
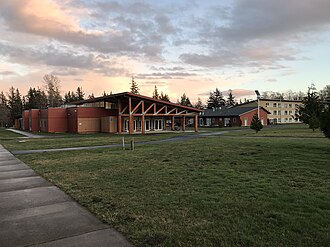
x=258 y=98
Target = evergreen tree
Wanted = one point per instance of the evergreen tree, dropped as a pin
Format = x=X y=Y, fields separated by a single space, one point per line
x=14 y=104
x=309 y=112
x=199 y=104
x=79 y=94
x=164 y=97
x=35 y=99
x=231 y=99
x=69 y=97
x=134 y=87
x=4 y=111
x=91 y=96
x=215 y=99
x=256 y=123
x=52 y=84
x=155 y=94
x=325 y=122
x=185 y=100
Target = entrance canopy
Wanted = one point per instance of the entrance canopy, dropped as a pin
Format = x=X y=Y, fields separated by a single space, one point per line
x=129 y=105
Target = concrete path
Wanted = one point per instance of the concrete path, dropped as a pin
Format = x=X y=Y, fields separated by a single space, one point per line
x=174 y=139
x=33 y=212
x=27 y=134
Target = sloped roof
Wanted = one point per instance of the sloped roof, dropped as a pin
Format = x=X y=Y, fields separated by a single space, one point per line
x=136 y=96
x=230 y=112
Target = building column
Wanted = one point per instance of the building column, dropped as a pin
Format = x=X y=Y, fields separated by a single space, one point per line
x=184 y=123
x=119 y=120
x=131 y=118
x=172 y=123
x=196 y=123
x=143 y=127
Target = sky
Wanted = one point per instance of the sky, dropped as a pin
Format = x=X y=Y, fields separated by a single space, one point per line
x=181 y=47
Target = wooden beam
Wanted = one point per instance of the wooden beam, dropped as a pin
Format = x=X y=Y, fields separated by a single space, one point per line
x=184 y=123
x=172 y=123
x=131 y=118
x=181 y=112
x=196 y=123
x=125 y=108
x=160 y=110
x=137 y=106
x=143 y=127
x=148 y=109
x=119 y=120
x=172 y=110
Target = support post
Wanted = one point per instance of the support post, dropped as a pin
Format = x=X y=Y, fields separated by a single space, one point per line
x=196 y=123
x=131 y=118
x=184 y=123
x=143 y=127
x=119 y=120
x=172 y=123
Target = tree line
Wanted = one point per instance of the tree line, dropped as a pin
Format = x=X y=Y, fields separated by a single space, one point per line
x=315 y=110
x=14 y=103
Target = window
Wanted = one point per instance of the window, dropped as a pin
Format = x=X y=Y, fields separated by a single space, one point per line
x=285 y=105
x=267 y=104
x=275 y=113
x=290 y=105
x=278 y=120
x=285 y=112
x=279 y=105
x=274 y=105
x=296 y=105
x=290 y=112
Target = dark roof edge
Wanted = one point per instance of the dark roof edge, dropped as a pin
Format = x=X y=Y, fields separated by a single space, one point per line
x=136 y=96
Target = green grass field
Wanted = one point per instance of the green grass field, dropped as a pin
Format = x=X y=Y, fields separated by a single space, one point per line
x=212 y=191
x=290 y=130
x=11 y=142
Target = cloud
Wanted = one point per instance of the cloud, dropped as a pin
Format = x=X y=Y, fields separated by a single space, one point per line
x=166 y=75
x=258 y=33
x=51 y=20
x=7 y=73
x=68 y=62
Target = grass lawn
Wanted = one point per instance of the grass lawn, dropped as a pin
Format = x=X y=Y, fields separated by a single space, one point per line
x=289 y=130
x=203 y=192
x=9 y=140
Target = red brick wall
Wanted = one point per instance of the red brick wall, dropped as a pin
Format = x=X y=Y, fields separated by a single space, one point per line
x=34 y=120
x=26 y=120
x=249 y=116
x=94 y=112
x=57 y=120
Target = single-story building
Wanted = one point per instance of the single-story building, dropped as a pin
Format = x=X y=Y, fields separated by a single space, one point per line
x=234 y=116
x=116 y=113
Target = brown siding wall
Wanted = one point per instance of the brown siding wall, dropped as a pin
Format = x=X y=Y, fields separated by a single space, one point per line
x=89 y=125
x=109 y=124
x=57 y=120
x=44 y=120
x=72 y=120
x=89 y=119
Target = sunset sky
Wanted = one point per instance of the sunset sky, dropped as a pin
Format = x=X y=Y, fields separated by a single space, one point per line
x=183 y=46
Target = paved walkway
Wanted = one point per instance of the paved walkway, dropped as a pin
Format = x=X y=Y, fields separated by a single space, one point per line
x=33 y=212
x=27 y=134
